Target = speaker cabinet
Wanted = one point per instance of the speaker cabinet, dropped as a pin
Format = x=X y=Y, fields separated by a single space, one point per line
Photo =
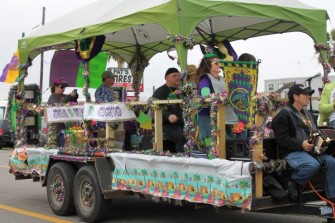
x=237 y=149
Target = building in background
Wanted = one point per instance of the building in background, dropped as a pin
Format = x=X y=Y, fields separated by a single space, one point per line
x=278 y=84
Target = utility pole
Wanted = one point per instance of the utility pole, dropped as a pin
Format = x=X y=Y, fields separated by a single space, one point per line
x=42 y=54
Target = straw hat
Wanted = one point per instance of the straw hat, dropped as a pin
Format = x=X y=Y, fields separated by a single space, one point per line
x=191 y=70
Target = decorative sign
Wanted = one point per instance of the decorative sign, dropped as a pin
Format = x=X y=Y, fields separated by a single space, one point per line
x=241 y=84
x=124 y=78
x=65 y=114
x=239 y=98
x=107 y=112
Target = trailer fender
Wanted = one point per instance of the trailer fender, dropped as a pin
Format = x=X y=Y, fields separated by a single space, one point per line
x=51 y=162
x=104 y=167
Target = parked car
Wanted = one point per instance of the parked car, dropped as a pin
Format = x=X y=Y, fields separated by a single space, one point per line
x=6 y=133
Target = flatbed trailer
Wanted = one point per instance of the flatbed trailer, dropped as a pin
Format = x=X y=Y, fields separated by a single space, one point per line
x=86 y=183
x=83 y=178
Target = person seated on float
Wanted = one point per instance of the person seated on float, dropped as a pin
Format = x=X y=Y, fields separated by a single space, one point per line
x=293 y=127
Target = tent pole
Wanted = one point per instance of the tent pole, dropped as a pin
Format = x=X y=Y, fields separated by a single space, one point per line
x=42 y=54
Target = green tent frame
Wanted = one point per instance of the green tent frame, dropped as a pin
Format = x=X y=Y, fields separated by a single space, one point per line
x=219 y=19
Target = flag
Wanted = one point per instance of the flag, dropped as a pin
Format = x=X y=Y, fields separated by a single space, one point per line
x=11 y=71
x=144 y=120
x=65 y=64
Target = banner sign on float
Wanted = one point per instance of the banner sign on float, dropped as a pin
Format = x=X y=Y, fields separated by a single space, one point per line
x=107 y=112
x=124 y=78
x=65 y=114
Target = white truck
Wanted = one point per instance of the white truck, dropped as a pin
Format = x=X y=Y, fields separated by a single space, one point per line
x=6 y=133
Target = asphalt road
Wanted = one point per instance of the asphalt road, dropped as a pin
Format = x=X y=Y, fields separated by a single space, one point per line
x=26 y=202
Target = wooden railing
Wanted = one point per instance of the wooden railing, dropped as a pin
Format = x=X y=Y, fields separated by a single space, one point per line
x=158 y=125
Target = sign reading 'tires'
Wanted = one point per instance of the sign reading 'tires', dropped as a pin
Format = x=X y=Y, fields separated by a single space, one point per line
x=124 y=78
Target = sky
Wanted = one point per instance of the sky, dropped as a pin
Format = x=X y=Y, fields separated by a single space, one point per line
x=282 y=56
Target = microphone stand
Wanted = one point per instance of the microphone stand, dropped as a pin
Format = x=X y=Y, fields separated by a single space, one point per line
x=309 y=80
x=310 y=99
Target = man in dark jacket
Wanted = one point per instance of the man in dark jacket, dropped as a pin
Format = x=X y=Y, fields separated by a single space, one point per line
x=293 y=127
x=173 y=123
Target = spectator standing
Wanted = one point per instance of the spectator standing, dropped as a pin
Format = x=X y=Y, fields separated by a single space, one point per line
x=173 y=123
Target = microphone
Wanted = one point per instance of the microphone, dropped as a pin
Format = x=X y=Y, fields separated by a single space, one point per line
x=316 y=75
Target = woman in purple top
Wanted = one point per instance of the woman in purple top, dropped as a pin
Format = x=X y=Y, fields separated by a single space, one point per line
x=209 y=82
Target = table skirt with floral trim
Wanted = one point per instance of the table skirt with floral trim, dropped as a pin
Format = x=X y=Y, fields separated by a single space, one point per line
x=217 y=182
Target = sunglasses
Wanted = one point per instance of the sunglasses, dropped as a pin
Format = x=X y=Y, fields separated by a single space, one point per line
x=216 y=62
x=61 y=86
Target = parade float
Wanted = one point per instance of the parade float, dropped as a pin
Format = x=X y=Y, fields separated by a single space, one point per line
x=87 y=169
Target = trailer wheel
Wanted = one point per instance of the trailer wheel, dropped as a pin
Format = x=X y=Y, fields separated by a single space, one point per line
x=60 y=182
x=89 y=201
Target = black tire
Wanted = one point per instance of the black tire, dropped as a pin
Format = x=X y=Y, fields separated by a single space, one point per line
x=60 y=197
x=89 y=201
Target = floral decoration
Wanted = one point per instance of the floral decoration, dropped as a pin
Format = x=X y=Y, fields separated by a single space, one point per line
x=238 y=128
x=260 y=104
x=216 y=99
x=268 y=132
x=190 y=109
x=319 y=47
x=86 y=77
x=325 y=80
x=180 y=39
x=152 y=105
x=264 y=106
x=257 y=137
x=175 y=94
